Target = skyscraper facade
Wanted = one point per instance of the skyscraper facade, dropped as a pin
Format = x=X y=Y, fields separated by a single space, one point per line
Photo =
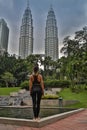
x=26 y=34
x=4 y=35
x=51 y=36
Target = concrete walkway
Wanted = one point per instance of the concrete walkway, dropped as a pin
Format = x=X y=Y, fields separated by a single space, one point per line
x=75 y=122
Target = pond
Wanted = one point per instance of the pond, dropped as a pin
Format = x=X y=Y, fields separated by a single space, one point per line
x=27 y=112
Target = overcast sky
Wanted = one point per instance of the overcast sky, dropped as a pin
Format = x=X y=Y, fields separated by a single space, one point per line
x=71 y=15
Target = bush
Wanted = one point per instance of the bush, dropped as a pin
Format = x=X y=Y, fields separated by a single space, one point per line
x=25 y=85
x=56 y=84
x=2 y=83
x=49 y=96
x=48 y=84
x=78 y=88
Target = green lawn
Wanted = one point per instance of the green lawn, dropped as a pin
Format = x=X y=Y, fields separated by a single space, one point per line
x=6 y=91
x=67 y=94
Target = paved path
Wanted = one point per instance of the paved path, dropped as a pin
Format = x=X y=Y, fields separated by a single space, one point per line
x=75 y=122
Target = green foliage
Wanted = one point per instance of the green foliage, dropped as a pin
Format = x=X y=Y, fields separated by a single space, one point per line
x=72 y=66
x=78 y=88
x=25 y=85
x=8 y=78
x=48 y=84
x=50 y=96
x=2 y=83
x=56 y=83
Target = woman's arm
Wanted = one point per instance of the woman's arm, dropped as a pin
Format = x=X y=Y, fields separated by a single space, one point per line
x=42 y=85
x=30 y=84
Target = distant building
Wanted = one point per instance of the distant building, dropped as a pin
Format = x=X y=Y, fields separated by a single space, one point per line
x=26 y=34
x=51 y=36
x=4 y=35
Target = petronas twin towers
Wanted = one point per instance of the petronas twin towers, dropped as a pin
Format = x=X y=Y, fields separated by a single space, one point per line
x=26 y=35
x=51 y=36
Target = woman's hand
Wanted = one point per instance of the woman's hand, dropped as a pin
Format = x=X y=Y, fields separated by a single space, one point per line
x=42 y=92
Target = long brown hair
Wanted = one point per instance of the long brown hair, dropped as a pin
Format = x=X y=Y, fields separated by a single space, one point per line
x=36 y=69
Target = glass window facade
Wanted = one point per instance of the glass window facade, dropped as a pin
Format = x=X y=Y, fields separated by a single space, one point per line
x=51 y=36
x=26 y=34
x=4 y=35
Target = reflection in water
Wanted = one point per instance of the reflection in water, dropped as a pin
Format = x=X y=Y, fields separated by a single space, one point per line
x=27 y=113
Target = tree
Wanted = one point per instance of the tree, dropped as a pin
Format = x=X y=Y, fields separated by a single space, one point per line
x=81 y=37
x=8 y=78
x=71 y=47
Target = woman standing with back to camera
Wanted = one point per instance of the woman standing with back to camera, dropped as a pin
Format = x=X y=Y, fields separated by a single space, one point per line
x=36 y=87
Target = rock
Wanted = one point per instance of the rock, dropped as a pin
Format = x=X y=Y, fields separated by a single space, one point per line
x=13 y=94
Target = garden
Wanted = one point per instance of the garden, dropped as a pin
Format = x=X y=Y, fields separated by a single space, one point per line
x=69 y=72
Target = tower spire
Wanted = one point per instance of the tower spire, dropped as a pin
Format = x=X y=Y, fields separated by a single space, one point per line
x=51 y=7
x=27 y=3
x=51 y=39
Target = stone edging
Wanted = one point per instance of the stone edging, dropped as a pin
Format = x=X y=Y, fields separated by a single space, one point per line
x=40 y=123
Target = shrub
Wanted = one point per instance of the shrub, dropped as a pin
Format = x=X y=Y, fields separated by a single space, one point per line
x=56 y=84
x=25 y=85
x=78 y=88
x=49 y=96
x=2 y=83
x=48 y=84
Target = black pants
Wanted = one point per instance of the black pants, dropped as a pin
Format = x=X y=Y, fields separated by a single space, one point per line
x=36 y=98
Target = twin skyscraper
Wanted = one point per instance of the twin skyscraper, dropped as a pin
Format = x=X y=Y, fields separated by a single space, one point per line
x=26 y=40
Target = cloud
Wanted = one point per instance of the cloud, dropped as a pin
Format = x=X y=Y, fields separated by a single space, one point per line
x=85 y=9
x=4 y=3
x=71 y=16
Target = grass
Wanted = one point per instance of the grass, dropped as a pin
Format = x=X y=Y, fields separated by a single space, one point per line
x=67 y=94
x=7 y=91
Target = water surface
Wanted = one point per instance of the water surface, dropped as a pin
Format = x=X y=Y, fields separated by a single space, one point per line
x=27 y=112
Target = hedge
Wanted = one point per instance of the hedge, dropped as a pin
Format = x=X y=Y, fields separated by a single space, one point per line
x=49 y=84
x=57 y=83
